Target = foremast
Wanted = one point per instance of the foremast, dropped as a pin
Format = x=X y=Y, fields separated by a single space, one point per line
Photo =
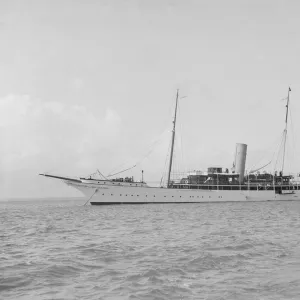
x=285 y=129
x=173 y=140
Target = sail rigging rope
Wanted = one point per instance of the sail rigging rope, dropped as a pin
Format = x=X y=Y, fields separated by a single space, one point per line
x=165 y=165
x=265 y=155
x=147 y=154
x=122 y=171
x=280 y=149
x=253 y=171
x=294 y=148
x=96 y=190
x=102 y=174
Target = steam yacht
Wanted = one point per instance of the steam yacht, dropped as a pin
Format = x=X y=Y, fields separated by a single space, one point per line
x=215 y=185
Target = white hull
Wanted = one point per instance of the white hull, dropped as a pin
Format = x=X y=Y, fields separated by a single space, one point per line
x=125 y=194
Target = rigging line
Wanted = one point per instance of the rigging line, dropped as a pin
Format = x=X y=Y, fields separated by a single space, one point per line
x=157 y=140
x=180 y=140
x=165 y=165
x=153 y=181
x=102 y=174
x=253 y=171
x=290 y=155
x=138 y=162
x=143 y=157
x=292 y=130
x=285 y=130
x=173 y=139
x=121 y=171
x=148 y=153
x=174 y=171
x=96 y=173
x=120 y=166
x=272 y=160
x=275 y=154
x=280 y=148
x=265 y=152
x=182 y=160
x=96 y=190
x=284 y=150
x=277 y=150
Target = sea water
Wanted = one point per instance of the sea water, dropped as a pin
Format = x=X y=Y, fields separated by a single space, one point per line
x=64 y=250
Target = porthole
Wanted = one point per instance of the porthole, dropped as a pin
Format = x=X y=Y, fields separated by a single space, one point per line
x=120 y=194
x=111 y=194
x=102 y=194
x=165 y=196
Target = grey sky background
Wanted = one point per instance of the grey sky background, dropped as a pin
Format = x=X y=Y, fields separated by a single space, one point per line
x=92 y=84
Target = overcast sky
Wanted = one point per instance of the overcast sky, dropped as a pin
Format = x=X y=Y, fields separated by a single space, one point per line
x=92 y=84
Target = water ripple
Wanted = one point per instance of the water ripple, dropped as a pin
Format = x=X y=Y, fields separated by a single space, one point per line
x=63 y=250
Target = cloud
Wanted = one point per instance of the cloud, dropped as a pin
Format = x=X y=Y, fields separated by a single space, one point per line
x=39 y=136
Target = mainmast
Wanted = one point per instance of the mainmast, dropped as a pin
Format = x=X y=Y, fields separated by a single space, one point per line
x=173 y=140
x=285 y=129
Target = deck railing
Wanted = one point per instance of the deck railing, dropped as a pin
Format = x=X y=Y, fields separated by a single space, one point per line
x=246 y=186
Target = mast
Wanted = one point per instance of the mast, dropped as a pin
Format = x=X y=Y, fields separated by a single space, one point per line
x=173 y=140
x=285 y=129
